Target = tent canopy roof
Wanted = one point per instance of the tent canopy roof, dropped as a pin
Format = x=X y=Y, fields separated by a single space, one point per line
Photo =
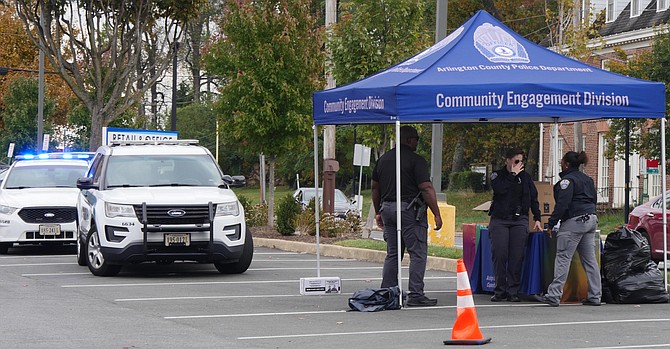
x=485 y=72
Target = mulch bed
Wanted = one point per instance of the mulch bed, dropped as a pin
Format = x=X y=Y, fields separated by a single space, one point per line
x=271 y=233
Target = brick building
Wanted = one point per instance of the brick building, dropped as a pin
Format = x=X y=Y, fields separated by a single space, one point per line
x=630 y=26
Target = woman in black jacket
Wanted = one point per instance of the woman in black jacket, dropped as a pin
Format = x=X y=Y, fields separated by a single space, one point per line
x=514 y=195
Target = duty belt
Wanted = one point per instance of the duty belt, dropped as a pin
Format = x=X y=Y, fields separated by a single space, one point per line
x=583 y=219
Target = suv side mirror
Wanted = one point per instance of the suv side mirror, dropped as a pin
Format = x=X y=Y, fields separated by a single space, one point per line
x=86 y=183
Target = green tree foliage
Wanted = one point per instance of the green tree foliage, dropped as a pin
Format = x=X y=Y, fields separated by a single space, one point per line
x=197 y=121
x=643 y=135
x=20 y=116
x=269 y=58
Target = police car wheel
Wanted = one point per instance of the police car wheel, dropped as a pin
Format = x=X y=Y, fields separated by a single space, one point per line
x=243 y=263
x=81 y=253
x=4 y=247
x=96 y=259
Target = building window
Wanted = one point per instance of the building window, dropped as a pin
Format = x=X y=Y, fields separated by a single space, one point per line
x=603 y=170
x=610 y=11
x=662 y=5
x=654 y=184
x=634 y=8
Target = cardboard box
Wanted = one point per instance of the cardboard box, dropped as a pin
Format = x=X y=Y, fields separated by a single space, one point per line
x=545 y=195
x=320 y=285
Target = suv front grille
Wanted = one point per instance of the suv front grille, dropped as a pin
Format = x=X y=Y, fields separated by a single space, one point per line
x=42 y=215
x=158 y=214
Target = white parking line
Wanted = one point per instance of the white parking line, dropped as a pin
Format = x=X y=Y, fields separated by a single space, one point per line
x=40 y=256
x=231 y=282
x=153 y=299
x=312 y=268
x=55 y=274
x=331 y=334
x=34 y=264
x=665 y=345
x=273 y=253
x=257 y=314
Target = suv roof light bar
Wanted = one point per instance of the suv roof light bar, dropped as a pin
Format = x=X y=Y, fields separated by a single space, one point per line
x=156 y=142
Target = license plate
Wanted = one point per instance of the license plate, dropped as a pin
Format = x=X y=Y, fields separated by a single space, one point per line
x=49 y=229
x=177 y=239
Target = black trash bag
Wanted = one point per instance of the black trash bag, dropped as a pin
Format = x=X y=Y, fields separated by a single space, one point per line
x=626 y=251
x=643 y=287
x=376 y=299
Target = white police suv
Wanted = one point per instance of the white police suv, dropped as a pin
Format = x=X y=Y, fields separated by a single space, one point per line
x=38 y=198
x=159 y=201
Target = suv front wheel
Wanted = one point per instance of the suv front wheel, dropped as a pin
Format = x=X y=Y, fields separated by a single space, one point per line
x=95 y=258
x=243 y=263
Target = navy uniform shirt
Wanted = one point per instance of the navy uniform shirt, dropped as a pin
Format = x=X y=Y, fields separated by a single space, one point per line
x=575 y=195
x=413 y=171
x=511 y=192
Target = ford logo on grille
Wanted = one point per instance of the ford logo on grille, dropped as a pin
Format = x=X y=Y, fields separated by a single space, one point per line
x=176 y=213
x=49 y=215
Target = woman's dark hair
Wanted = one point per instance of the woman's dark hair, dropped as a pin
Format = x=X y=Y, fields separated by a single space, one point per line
x=575 y=159
x=513 y=152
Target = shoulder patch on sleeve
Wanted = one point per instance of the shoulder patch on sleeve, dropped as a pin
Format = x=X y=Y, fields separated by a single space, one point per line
x=564 y=184
x=494 y=175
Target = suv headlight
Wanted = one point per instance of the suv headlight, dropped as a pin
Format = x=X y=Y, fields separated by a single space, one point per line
x=117 y=210
x=7 y=209
x=227 y=209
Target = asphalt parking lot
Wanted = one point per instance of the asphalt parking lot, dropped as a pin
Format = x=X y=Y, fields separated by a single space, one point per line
x=48 y=301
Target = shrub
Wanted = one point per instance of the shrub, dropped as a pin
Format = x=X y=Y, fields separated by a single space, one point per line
x=329 y=225
x=256 y=215
x=287 y=211
x=466 y=180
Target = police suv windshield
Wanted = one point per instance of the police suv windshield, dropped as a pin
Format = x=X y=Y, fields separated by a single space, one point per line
x=162 y=170
x=44 y=176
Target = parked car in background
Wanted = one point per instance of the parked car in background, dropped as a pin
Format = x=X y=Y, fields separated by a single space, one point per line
x=38 y=198
x=648 y=220
x=235 y=181
x=343 y=205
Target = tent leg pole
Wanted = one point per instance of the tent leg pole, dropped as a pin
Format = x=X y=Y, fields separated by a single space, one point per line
x=398 y=207
x=316 y=199
x=665 y=208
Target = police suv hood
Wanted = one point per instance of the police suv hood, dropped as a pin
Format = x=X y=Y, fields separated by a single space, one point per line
x=39 y=197
x=168 y=195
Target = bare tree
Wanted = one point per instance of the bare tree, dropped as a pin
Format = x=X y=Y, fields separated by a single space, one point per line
x=97 y=47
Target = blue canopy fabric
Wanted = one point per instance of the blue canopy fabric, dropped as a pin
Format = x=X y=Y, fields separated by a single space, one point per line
x=485 y=72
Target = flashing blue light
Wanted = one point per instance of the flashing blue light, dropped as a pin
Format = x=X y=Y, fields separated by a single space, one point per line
x=28 y=156
x=43 y=156
x=84 y=156
x=67 y=156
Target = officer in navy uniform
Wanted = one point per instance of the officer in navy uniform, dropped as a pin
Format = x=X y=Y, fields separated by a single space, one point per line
x=415 y=183
x=514 y=195
x=575 y=196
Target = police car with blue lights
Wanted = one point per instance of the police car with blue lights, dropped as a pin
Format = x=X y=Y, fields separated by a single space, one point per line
x=159 y=201
x=38 y=199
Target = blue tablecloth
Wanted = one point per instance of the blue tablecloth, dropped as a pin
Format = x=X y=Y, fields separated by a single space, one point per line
x=482 y=277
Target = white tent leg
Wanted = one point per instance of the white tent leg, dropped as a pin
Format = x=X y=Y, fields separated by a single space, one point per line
x=665 y=208
x=398 y=207
x=316 y=199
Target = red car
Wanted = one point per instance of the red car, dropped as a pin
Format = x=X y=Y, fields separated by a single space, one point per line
x=648 y=220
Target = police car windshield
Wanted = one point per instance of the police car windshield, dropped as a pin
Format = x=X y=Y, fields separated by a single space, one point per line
x=44 y=176
x=162 y=170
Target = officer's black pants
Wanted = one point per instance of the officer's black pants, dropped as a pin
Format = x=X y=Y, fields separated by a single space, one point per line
x=508 y=246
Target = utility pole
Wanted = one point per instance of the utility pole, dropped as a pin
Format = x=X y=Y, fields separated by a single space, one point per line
x=330 y=165
x=40 y=91
x=437 y=134
x=173 y=114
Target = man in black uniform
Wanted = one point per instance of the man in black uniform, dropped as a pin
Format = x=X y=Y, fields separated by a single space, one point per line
x=514 y=194
x=415 y=183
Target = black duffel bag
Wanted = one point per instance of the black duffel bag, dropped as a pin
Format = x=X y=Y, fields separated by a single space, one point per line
x=375 y=299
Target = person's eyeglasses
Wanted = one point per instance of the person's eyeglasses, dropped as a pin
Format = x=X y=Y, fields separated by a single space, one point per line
x=517 y=161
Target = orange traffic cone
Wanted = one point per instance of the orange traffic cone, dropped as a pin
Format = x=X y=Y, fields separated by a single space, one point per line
x=466 y=328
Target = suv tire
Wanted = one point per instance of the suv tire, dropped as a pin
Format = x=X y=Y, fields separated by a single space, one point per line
x=243 y=263
x=95 y=259
x=4 y=247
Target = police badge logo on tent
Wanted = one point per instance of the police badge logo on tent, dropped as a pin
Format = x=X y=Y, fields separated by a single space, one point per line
x=498 y=46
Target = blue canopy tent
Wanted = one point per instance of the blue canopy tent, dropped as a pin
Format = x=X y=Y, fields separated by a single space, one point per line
x=485 y=72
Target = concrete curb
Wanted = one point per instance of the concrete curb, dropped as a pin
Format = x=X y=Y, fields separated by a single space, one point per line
x=361 y=254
